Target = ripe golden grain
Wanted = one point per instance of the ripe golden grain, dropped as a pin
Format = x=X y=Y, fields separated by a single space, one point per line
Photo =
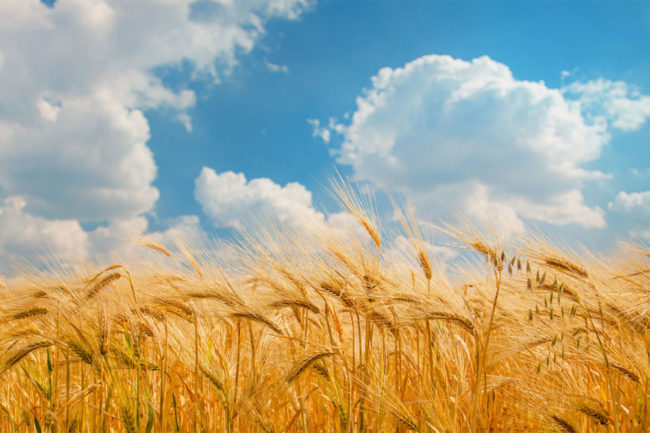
x=306 y=334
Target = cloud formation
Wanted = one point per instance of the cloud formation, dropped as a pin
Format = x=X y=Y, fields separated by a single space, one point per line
x=319 y=131
x=26 y=235
x=621 y=104
x=230 y=200
x=468 y=137
x=635 y=206
x=76 y=79
x=64 y=242
x=632 y=202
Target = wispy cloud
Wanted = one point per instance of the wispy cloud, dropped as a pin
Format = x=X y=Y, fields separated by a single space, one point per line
x=277 y=68
x=319 y=131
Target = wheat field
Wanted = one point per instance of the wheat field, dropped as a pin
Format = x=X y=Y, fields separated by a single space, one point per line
x=326 y=332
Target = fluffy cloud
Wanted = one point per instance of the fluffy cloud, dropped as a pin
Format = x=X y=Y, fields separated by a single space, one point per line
x=621 y=104
x=119 y=241
x=345 y=224
x=635 y=206
x=231 y=200
x=44 y=241
x=634 y=202
x=25 y=235
x=76 y=79
x=467 y=137
x=87 y=159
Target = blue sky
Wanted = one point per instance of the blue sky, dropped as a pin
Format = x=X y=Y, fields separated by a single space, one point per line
x=514 y=112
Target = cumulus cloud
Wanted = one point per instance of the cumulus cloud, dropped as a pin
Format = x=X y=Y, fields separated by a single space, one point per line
x=91 y=163
x=73 y=131
x=26 y=235
x=621 y=104
x=120 y=240
x=467 y=137
x=230 y=200
x=633 y=202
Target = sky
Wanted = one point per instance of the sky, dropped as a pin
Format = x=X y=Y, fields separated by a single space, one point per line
x=121 y=119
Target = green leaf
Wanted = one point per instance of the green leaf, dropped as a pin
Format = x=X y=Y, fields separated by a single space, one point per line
x=49 y=377
x=37 y=426
x=149 y=421
x=36 y=382
x=49 y=363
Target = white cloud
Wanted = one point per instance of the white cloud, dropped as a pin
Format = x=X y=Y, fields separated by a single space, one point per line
x=319 y=131
x=277 y=68
x=73 y=134
x=345 y=224
x=48 y=111
x=403 y=248
x=119 y=241
x=38 y=240
x=26 y=235
x=91 y=163
x=183 y=227
x=232 y=201
x=635 y=206
x=469 y=138
x=186 y=121
x=633 y=202
x=623 y=105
